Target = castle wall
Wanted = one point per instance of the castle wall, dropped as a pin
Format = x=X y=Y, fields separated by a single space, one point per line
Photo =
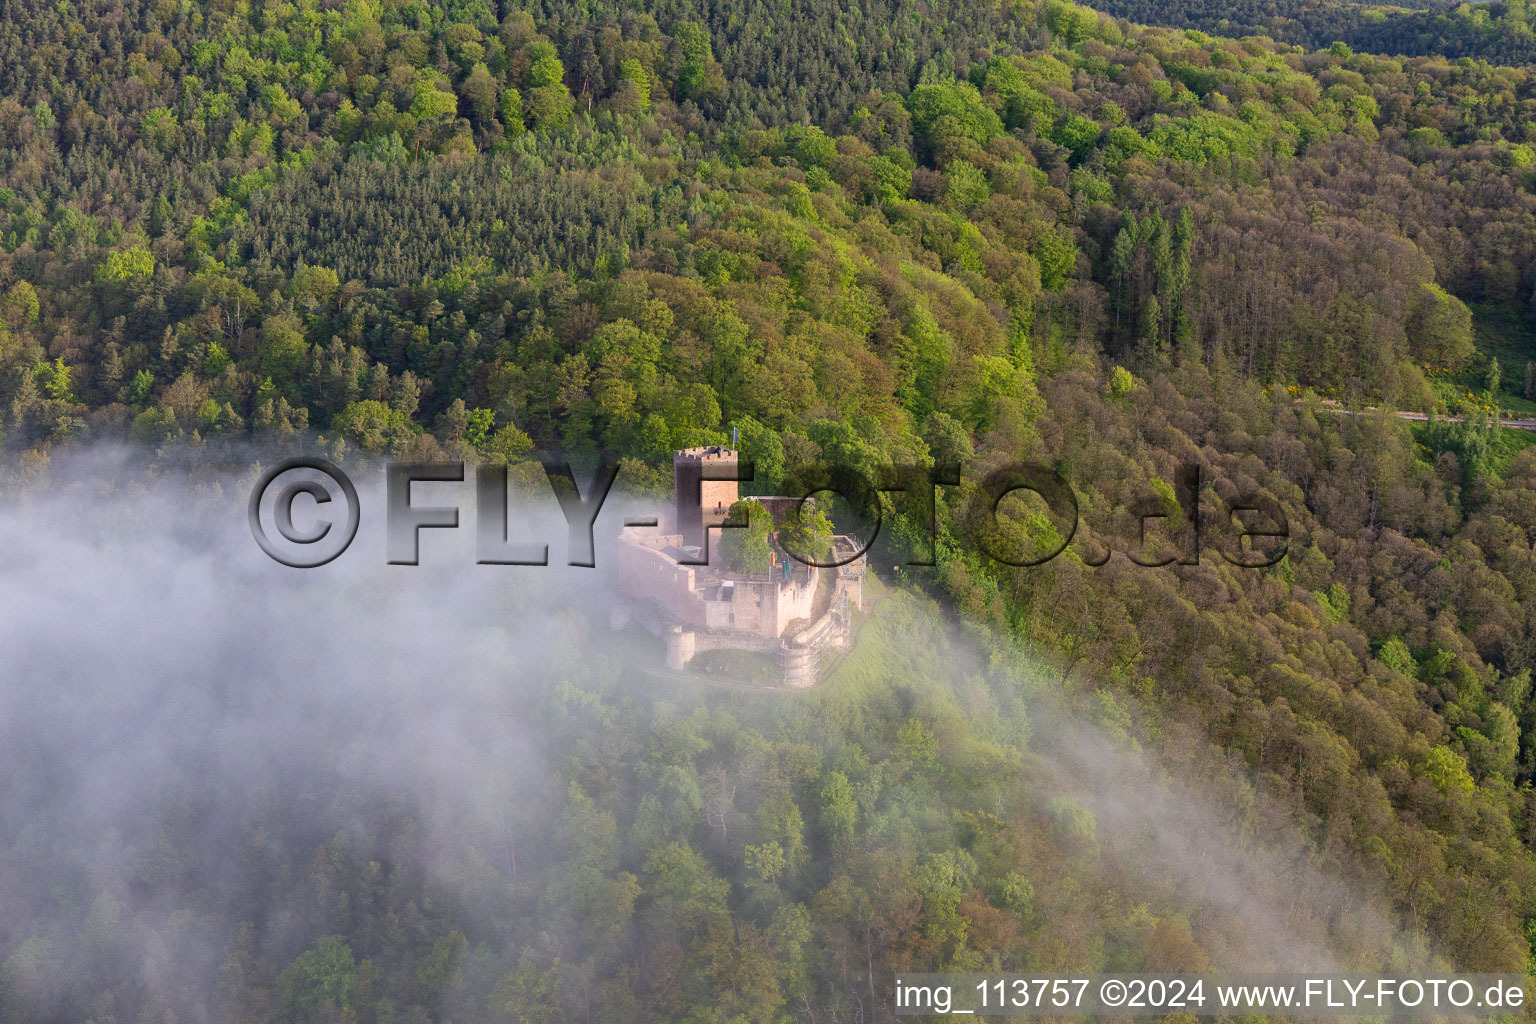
x=646 y=571
x=795 y=601
x=766 y=606
x=748 y=609
x=682 y=645
x=695 y=597
x=854 y=584
x=798 y=665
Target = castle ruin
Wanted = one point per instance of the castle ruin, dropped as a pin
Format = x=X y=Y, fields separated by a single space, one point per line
x=793 y=612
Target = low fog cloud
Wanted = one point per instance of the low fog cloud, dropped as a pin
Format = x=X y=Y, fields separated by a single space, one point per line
x=162 y=674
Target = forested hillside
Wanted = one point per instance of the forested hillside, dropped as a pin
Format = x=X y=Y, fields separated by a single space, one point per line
x=1497 y=32
x=869 y=234
x=309 y=210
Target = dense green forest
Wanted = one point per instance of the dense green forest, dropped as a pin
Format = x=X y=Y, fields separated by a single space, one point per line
x=1500 y=32
x=872 y=234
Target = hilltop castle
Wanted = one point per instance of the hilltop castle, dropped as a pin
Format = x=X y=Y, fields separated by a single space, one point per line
x=793 y=612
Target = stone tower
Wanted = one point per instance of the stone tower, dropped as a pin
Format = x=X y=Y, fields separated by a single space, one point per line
x=700 y=502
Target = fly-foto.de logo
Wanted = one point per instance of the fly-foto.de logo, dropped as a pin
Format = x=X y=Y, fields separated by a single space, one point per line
x=706 y=500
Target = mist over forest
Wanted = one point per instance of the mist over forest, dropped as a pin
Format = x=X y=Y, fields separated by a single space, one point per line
x=237 y=790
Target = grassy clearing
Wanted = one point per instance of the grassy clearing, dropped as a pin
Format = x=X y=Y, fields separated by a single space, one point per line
x=1503 y=332
x=745 y=668
x=1503 y=445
